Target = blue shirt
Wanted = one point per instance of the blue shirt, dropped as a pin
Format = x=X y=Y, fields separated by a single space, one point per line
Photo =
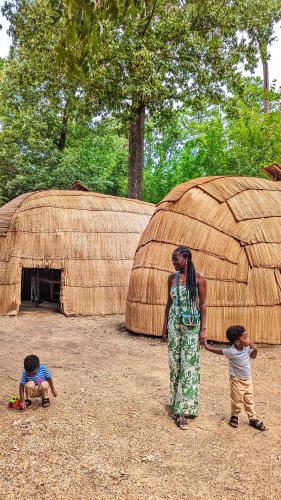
x=41 y=375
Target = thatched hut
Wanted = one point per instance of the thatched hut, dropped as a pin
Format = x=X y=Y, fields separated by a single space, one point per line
x=233 y=226
x=77 y=247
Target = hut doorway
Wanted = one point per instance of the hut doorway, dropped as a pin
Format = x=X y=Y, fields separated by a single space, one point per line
x=40 y=288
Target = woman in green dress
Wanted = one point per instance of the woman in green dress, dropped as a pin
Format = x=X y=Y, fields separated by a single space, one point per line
x=185 y=329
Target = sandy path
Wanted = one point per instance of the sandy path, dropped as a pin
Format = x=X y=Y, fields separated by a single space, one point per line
x=109 y=435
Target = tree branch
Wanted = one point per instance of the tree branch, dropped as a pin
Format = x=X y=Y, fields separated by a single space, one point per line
x=149 y=19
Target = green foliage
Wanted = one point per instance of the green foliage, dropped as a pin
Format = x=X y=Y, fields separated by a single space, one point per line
x=71 y=62
x=82 y=25
x=30 y=160
x=47 y=138
x=169 y=52
x=261 y=19
x=98 y=157
x=163 y=53
x=233 y=139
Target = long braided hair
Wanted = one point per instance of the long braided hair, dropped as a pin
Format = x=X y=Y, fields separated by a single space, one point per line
x=191 y=287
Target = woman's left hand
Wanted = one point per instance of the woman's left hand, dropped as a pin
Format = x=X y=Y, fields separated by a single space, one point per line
x=202 y=336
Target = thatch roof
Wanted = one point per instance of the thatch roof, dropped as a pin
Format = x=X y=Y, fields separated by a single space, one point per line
x=91 y=237
x=233 y=226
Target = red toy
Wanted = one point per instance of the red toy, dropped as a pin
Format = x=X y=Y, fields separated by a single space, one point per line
x=14 y=403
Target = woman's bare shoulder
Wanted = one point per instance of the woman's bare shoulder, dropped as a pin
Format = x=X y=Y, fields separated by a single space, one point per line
x=200 y=278
x=171 y=277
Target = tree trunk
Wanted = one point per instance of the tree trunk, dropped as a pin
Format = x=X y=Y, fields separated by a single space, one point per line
x=63 y=133
x=136 y=155
x=264 y=60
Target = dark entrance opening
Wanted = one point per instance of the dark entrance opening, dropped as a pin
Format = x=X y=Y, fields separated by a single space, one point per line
x=41 y=287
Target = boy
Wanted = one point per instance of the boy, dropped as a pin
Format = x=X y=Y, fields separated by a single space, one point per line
x=241 y=385
x=35 y=382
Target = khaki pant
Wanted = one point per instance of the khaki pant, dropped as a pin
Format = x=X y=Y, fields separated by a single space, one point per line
x=35 y=391
x=241 y=394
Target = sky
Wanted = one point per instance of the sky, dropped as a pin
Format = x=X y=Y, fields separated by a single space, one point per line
x=274 y=63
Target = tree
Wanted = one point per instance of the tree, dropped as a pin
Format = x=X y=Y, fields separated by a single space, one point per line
x=97 y=155
x=139 y=64
x=32 y=66
x=166 y=53
x=47 y=137
x=234 y=138
x=260 y=27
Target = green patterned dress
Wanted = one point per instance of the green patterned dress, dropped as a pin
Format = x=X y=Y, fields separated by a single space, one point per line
x=184 y=356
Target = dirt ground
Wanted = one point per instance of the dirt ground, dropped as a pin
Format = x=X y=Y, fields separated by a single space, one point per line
x=109 y=434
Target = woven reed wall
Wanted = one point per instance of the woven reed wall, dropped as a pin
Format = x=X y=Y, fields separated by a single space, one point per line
x=233 y=227
x=91 y=237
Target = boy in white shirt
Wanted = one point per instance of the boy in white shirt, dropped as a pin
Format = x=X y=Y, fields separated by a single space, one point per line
x=241 y=385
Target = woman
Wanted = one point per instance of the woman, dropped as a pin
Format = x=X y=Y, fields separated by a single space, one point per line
x=185 y=328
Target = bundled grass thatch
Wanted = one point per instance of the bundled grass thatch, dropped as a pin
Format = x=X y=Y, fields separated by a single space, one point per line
x=90 y=237
x=233 y=227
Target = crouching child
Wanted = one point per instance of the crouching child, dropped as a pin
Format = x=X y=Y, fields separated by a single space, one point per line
x=36 y=381
x=240 y=353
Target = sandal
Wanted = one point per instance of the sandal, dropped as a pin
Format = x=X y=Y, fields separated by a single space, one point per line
x=233 y=422
x=45 y=402
x=257 y=424
x=182 y=423
x=28 y=402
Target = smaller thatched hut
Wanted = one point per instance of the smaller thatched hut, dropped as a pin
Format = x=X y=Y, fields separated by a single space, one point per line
x=233 y=227
x=77 y=247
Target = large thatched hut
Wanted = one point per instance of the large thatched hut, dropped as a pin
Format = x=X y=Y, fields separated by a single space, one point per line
x=233 y=226
x=70 y=247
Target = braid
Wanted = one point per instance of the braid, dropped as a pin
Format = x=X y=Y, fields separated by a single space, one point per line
x=191 y=286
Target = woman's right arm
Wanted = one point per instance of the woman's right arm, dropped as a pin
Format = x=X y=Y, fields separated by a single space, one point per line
x=168 y=305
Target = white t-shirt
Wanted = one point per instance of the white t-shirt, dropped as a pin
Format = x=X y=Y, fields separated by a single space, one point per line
x=239 y=362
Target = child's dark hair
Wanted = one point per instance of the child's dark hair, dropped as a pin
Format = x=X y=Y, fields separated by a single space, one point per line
x=233 y=333
x=31 y=362
x=191 y=273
